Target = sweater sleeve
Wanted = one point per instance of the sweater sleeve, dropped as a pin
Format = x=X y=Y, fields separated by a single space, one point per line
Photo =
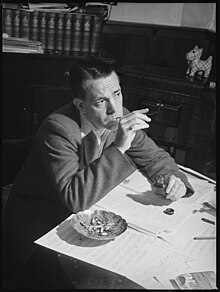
x=79 y=188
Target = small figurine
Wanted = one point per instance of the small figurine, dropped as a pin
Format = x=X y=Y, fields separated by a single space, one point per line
x=197 y=65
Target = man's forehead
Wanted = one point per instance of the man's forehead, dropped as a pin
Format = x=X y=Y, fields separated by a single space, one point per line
x=110 y=82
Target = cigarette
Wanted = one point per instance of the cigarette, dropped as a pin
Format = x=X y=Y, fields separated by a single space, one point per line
x=204 y=238
x=208 y=221
x=118 y=119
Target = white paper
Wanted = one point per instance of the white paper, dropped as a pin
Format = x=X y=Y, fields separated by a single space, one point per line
x=119 y=255
x=183 y=236
x=131 y=254
x=204 y=191
x=145 y=209
x=145 y=259
x=137 y=182
x=200 y=255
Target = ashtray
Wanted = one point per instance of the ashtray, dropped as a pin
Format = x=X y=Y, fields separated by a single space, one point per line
x=98 y=224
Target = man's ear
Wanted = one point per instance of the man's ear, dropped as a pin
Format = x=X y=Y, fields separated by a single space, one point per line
x=78 y=102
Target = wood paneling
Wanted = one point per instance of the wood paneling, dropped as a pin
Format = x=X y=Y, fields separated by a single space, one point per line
x=143 y=44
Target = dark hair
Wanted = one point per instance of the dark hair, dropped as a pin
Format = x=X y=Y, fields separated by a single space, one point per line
x=85 y=69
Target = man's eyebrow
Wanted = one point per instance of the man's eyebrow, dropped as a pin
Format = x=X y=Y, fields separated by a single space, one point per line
x=103 y=97
x=100 y=97
x=116 y=91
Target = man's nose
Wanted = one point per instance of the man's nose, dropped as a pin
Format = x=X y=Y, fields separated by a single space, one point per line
x=111 y=109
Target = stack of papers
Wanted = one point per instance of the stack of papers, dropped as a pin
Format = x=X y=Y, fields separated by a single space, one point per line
x=48 y=6
x=21 y=45
x=150 y=261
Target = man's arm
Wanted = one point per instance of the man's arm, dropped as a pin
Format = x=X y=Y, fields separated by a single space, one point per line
x=79 y=189
x=152 y=160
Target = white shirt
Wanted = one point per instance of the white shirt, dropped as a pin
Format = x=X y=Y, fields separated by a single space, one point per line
x=87 y=127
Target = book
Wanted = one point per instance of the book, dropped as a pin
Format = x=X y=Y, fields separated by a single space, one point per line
x=42 y=36
x=16 y=23
x=50 y=35
x=96 y=35
x=58 y=45
x=94 y=10
x=67 y=23
x=76 y=34
x=34 y=25
x=7 y=21
x=24 y=24
x=86 y=33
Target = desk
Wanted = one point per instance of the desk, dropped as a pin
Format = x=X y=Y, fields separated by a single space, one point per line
x=85 y=276
x=135 y=260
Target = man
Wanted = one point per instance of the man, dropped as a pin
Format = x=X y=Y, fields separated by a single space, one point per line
x=80 y=153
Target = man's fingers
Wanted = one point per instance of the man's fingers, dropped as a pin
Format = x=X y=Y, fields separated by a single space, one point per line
x=138 y=114
x=137 y=126
x=175 y=189
x=176 y=194
x=142 y=111
x=171 y=183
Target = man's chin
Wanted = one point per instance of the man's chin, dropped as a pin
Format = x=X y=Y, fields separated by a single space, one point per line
x=112 y=126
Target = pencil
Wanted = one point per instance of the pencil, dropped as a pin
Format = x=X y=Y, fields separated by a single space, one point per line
x=204 y=238
x=208 y=221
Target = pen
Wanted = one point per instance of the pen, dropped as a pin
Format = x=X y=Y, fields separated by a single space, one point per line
x=204 y=238
x=208 y=221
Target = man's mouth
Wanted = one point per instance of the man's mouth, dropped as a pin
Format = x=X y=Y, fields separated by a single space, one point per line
x=115 y=120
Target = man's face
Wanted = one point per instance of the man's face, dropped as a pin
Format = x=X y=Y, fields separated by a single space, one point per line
x=103 y=101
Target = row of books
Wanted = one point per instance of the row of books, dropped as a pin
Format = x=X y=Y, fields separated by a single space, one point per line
x=61 y=33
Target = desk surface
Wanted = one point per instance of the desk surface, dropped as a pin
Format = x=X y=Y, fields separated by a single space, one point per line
x=85 y=276
x=135 y=260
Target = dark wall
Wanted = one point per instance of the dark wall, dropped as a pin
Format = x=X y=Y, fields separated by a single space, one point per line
x=142 y=44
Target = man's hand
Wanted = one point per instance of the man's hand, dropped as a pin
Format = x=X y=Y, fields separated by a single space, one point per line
x=175 y=189
x=127 y=127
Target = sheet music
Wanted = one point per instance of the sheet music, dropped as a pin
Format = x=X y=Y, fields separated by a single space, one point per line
x=137 y=182
x=183 y=236
x=206 y=262
x=145 y=209
x=204 y=191
x=200 y=254
x=126 y=251
x=146 y=260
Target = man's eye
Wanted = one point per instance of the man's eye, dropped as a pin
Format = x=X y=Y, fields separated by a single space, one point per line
x=100 y=102
x=118 y=94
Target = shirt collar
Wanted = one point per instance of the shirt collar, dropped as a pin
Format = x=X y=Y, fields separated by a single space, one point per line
x=87 y=127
